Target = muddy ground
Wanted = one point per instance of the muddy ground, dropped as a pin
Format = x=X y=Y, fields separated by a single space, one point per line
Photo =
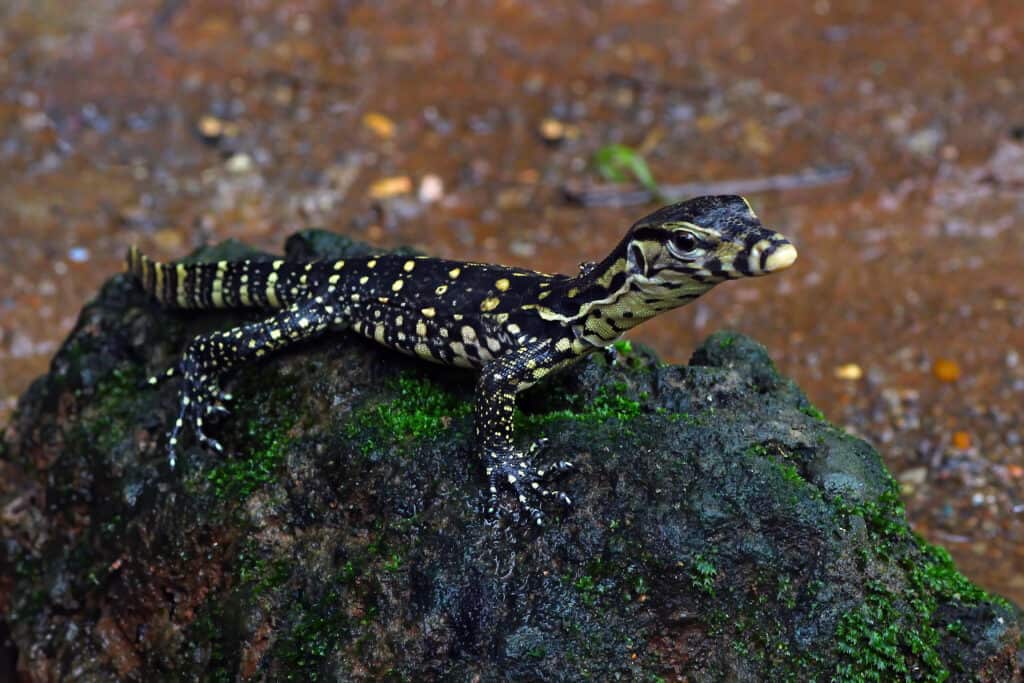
x=456 y=127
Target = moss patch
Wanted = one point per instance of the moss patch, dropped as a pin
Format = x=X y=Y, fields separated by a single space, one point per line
x=421 y=411
x=610 y=403
x=892 y=634
x=239 y=477
x=262 y=439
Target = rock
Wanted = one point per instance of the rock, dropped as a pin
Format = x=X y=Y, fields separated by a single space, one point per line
x=722 y=529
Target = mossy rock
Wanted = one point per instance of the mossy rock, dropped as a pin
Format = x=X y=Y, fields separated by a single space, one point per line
x=722 y=530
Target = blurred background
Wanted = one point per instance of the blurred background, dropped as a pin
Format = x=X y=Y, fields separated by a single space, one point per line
x=886 y=139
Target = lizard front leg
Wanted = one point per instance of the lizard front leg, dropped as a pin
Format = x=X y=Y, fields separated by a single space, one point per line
x=496 y=390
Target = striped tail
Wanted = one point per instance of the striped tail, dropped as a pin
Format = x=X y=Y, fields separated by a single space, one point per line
x=220 y=284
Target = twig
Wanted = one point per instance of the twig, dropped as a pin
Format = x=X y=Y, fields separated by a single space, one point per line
x=595 y=194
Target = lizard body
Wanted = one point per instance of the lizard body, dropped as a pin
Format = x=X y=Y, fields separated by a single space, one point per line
x=515 y=326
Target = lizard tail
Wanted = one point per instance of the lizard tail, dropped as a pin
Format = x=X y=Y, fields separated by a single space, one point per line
x=220 y=284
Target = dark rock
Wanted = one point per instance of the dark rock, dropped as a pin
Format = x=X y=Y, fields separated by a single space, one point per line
x=722 y=530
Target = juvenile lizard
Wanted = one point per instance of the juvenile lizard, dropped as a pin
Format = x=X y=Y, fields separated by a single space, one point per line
x=515 y=326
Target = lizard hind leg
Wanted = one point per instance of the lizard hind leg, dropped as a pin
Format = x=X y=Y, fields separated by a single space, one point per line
x=208 y=358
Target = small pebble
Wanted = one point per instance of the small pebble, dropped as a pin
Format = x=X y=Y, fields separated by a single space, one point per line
x=78 y=254
x=431 y=189
x=240 y=163
x=389 y=187
x=946 y=370
x=850 y=372
x=553 y=131
x=211 y=127
x=381 y=125
x=915 y=476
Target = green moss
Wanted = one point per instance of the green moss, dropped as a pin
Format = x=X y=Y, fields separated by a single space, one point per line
x=703 y=573
x=892 y=634
x=238 y=477
x=321 y=624
x=610 y=403
x=207 y=639
x=261 y=441
x=780 y=456
x=111 y=417
x=623 y=346
x=812 y=411
x=315 y=635
x=260 y=575
x=420 y=411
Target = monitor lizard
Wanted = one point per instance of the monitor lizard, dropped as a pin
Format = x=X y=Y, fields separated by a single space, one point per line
x=516 y=326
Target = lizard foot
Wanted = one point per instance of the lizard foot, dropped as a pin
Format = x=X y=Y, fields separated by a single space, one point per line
x=199 y=399
x=526 y=480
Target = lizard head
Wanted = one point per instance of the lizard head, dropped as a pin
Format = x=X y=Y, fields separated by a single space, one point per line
x=705 y=241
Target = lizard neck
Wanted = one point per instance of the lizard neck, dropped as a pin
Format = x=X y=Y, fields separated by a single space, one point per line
x=613 y=297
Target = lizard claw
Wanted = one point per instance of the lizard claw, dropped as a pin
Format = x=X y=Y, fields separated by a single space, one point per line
x=198 y=400
x=538 y=446
x=527 y=482
x=155 y=380
x=217 y=410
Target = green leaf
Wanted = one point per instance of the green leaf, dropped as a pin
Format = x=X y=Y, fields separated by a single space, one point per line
x=614 y=162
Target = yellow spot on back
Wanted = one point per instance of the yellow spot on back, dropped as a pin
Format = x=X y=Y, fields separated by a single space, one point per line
x=423 y=351
x=421 y=329
x=275 y=334
x=338 y=265
x=408 y=266
x=428 y=312
x=468 y=333
x=276 y=264
x=372 y=263
x=502 y=285
x=563 y=344
x=334 y=279
x=441 y=290
x=489 y=304
x=513 y=329
x=454 y=273
x=364 y=279
x=397 y=284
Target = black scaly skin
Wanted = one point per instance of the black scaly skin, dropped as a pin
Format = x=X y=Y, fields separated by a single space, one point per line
x=516 y=326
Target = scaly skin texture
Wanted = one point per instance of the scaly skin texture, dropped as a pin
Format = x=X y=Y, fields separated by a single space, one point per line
x=516 y=326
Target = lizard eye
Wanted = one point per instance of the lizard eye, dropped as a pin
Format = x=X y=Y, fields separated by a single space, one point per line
x=683 y=242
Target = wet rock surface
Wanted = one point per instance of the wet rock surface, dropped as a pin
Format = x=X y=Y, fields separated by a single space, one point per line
x=722 y=529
